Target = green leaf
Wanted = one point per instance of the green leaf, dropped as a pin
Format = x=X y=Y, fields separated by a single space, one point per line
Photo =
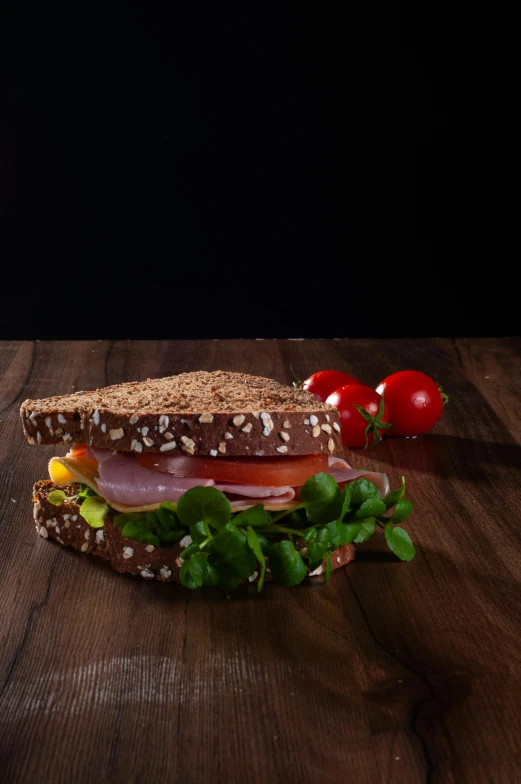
x=93 y=510
x=122 y=519
x=198 y=566
x=135 y=526
x=317 y=548
x=228 y=580
x=399 y=542
x=212 y=576
x=163 y=521
x=198 y=532
x=367 y=529
x=136 y=529
x=286 y=564
x=166 y=524
x=328 y=569
x=189 y=551
x=193 y=572
x=152 y=519
x=341 y=533
x=173 y=536
x=362 y=490
x=334 y=532
x=231 y=550
x=185 y=578
x=373 y=507
x=323 y=499
x=263 y=541
x=147 y=527
x=352 y=530
x=161 y=530
x=391 y=499
x=310 y=534
x=204 y=503
x=57 y=497
x=402 y=511
x=86 y=491
x=296 y=519
x=254 y=516
x=346 y=503
x=257 y=549
x=316 y=554
x=168 y=505
x=167 y=518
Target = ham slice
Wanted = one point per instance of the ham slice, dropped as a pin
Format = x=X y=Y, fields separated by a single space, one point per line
x=342 y=473
x=123 y=480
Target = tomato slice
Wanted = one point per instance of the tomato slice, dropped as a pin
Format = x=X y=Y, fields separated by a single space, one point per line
x=265 y=471
x=77 y=450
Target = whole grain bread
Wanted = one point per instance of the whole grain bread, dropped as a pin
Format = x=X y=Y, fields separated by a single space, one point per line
x=65 y=525
x=201 y=413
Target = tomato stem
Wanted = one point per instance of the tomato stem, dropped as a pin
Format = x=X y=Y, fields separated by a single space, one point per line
x=444 y=396
x=297 y=382
x=374 y=423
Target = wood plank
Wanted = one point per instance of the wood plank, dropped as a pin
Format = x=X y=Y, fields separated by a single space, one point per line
x=391 y=673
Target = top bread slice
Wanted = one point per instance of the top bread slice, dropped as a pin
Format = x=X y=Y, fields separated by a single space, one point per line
x=219 y=414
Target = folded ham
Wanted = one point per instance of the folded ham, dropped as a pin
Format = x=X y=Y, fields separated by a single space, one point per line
x=123 y=480
x=342 y=473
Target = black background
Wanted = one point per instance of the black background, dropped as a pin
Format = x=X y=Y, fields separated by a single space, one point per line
x=233 y=170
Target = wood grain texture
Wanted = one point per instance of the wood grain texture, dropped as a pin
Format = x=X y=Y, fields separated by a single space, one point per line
x=391 y=673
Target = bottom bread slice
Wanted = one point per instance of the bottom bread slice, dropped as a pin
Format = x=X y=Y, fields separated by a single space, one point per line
x=65 y=525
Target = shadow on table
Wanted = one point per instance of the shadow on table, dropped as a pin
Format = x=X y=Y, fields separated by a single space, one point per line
x=447 y=456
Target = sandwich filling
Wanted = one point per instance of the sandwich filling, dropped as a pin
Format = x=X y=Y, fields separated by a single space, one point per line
x=139 y=483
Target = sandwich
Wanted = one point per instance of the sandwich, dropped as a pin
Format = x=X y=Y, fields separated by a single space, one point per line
x=204 y=478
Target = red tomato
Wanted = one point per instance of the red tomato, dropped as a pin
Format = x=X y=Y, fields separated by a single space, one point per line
x=414 y=400
x=267 y=471
x=323 y=383
x=356 y=429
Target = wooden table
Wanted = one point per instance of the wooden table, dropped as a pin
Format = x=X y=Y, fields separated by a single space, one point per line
x=391 y=673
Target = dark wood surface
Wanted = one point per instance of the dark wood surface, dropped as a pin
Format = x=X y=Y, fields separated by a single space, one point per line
x=391 y=673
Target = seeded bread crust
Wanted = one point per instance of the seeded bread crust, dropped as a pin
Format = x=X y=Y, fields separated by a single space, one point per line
x=217 y=414
x=65 y=525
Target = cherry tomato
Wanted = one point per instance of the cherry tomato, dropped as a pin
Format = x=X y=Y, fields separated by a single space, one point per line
x=266 y=471
x=323 y=383
x=358 y=430
x=414 y=400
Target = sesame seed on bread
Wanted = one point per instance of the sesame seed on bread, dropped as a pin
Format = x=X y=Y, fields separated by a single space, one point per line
x=66 y=526
x=201 y=413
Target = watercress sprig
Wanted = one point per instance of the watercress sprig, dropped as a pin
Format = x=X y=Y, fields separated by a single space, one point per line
x=93 y=508
x=291 y=543
x=227 y=548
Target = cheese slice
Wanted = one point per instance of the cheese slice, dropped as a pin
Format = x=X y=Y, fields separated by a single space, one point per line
x=64 y=470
